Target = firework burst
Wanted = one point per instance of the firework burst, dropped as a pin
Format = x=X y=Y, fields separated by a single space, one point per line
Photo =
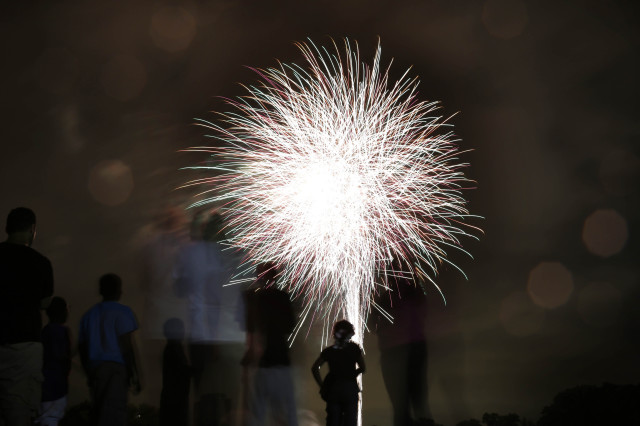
x=332 y=171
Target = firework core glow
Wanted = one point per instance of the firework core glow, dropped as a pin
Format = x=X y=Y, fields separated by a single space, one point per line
x=333 y=172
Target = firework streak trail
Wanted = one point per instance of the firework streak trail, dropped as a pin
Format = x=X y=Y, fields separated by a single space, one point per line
x=332 y=171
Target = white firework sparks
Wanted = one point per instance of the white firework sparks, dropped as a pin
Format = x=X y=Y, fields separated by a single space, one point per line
x=331 y=171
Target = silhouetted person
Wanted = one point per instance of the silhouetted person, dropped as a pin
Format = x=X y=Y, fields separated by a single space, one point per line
x=403 y=351
x=158 y=258
x=106 y=347
x=56 y=342
x=26 y=283
x=340 y=387
x=203 y=271
x=270 y=322
x=176 y=377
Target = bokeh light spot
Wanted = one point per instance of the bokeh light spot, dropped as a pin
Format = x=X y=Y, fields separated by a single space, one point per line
x=599 y=304
x=504 y=18
x=550 y=284
x=124 y=77
x=605 y=232
x=56 y=70
x=519 y=316
x=111 y=182
x=172 y=29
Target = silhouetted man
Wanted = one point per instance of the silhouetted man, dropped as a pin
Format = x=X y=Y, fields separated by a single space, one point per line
x=106 y=349
x=203 y=270
x=157 y=263
x=270 y=322
x=26 y=283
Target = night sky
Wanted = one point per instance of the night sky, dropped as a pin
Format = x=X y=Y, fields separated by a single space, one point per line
x=99 y=97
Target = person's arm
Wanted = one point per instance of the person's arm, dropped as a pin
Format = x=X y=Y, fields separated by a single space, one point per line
x=127 y=345
x=315 y=370
x=360 y=360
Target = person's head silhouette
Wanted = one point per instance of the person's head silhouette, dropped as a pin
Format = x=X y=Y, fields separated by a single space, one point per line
x=343 y=331
x=21 y=226
x=57 y=311
x=173 y=329
x=110 y=287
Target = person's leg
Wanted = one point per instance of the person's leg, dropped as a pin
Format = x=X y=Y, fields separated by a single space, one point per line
x=350 y=413
x=20 y=382
x=110 y=391
x=334 y=413
x=96 y=391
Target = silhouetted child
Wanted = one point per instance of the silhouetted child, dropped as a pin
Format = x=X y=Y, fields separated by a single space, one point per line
x=106 y=343
x=340 y=387
x=56 y=344
x=176 y=376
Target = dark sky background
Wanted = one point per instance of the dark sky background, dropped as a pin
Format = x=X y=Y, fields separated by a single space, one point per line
x=98 y=97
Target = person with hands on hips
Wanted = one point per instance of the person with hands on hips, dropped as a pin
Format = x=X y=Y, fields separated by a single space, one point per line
x=340 y=387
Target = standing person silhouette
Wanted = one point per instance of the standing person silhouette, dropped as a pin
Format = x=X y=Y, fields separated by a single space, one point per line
x=270 y=322
x=157 y=260
x=56 y=342
x=26 y=283
x=216 y=342
x=107 y=352
x=340 y=387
